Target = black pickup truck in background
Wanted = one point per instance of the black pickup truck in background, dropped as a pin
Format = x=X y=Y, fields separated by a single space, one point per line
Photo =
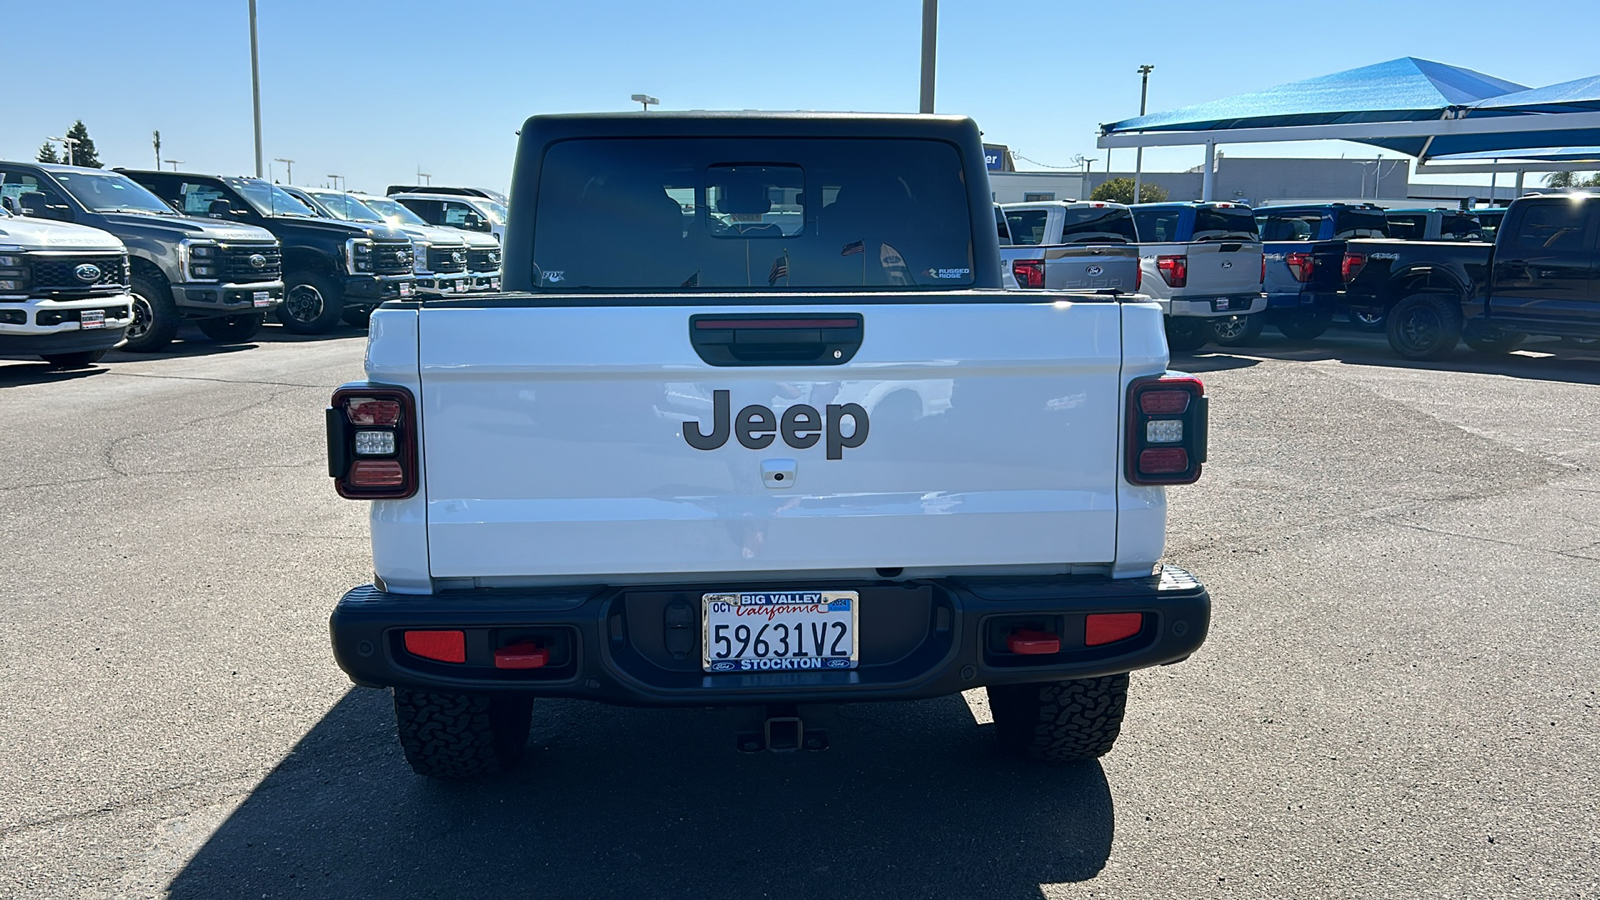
x=1303 y=253
x=1538 y=277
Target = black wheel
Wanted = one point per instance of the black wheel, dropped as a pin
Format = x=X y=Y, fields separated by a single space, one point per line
x=455 y=736
x=1237 y=331
x=1304 y=326
x=358 y=317
x=1489 y=339
x=73 y=360
x=231 y=329
x=1186 y=334
x=1425 y=326
x=312 y=303
x=1060 y=721
x=1367 y=321
x=155 y=316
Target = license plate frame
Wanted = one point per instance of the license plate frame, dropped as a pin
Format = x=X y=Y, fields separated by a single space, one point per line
x=91 y=319
x=812 y=615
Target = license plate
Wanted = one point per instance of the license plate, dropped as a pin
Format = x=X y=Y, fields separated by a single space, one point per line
x=92 y=318
x=770 y=631
x=460 y=287
x=494 y=284
x=261 y=298
x=405 y=288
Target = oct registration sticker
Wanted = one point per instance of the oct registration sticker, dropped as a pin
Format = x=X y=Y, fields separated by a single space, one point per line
x=772 y=631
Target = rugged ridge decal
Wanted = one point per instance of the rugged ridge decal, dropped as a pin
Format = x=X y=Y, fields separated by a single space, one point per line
x=756 y=426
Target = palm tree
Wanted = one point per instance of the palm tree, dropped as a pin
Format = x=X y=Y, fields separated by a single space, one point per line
x=1571 y=180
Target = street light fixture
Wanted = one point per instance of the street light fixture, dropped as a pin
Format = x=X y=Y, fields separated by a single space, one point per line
x=336 y=180
x=1138 y=157
x=421 y=175
x=289 y=165
x=646 y=100
x=174 y=163
x=67 y=142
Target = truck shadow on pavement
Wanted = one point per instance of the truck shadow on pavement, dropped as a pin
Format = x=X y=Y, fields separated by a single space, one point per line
x=912 y=801
x=20 y=373
x=1538 y=359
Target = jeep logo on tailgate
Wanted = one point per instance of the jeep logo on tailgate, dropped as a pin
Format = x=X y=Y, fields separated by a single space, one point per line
x=757 y=426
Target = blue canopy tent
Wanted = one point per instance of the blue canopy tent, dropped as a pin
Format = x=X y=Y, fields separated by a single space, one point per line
x=1413 y=106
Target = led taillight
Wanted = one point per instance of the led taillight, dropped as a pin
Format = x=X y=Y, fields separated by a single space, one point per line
x=377 y=473
x=372 y=443
x=1166 y=436
x=439 y=646
x=1301 y=265
x=1351 y=265
x=1029 y=272
x=372 y=411
x=1174 y=270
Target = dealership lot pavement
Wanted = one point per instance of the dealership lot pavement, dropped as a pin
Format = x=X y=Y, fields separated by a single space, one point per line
x=1399 y=696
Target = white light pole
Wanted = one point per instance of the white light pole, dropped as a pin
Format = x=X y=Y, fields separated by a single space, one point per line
x=930 y=52
x=289 y=166
x=67 y=142
x=645 y=100
x=174 y=163
x=255 y=83
x=1138 y=156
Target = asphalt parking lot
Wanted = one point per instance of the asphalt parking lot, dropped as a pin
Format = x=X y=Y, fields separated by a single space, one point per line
x=1398 y=698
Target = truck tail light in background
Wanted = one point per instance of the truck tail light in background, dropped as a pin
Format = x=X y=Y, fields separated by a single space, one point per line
x=1167 y=422
x=1351 y=266
x=1301 y=265
x=1174 y=270
x=372 y=442
x=1138 y=278
x=1029 y=272
x=1263 y=268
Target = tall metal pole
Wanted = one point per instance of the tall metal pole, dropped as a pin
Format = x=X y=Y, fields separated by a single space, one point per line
x=930 y=44
x=1138 y=156
x=255 y=83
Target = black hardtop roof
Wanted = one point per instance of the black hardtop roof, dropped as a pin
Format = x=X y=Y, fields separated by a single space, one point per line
x=545 y=128
x=1319 y=207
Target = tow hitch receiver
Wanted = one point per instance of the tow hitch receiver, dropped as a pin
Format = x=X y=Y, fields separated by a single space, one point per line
x=782 y=731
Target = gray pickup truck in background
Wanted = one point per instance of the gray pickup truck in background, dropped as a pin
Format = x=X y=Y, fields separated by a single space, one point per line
x=1070 y=245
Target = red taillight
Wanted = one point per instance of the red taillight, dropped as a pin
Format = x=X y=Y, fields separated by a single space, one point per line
x=1263 y=269
x=1174 y=270
x=1166 y=437
x=1351 y=266
x=1138 y=278
x=1301 y=265
x=439 y=646
x=372 y=411
x=1108 y=628
x=1029 y=272
x=372 y=442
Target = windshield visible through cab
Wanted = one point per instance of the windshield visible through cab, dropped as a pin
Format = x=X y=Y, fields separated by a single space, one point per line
x=1232 y=223
x=112 y=192
x=392 y=212
x=675 y=214
x=1098 y=225
x=344 y=206
x=269 y=199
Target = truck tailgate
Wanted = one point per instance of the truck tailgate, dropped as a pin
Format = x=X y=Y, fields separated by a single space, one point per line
x=1079 y=267
x=1223 y=268
x=557 y=439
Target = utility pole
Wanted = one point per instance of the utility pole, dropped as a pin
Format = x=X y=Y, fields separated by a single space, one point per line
x=1138 y=158
x=67 y=142
x=288 y=165
x=255 y=83
x=156 y=139
x=930 y=46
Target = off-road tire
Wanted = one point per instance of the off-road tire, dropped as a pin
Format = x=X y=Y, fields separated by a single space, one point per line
x=155 y=317
x=458 y=736
x=1060 y=721
x=1303 y=326
x=231 y=329
x=79 y=360
x=312 y=303
x=1493 y=340
x=1187 y=334
x=1237 y=331
x=358 y=316
x=1425 y=326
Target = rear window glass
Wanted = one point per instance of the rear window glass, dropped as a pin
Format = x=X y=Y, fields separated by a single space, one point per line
x=1551 y=228
x=1359 y=225
x=1158 y=225
x=1098 y=225
x=1224 y=224
x=1001 y=226
x=1289 y=226
x=754 y=214
x=1408 y=227
x=1027 y=225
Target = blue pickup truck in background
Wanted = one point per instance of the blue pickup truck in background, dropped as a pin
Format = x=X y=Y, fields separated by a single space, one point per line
x=1304 y=253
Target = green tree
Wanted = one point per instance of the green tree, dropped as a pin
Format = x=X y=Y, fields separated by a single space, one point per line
x=1571 y=180
x=1120 y=190
x=47 y=153
x=83 y=151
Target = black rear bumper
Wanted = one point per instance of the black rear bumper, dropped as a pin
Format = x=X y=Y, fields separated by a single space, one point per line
x=917 y=639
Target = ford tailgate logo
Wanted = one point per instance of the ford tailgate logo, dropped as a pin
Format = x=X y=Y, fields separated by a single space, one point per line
x=1094 y=271
x=1226 y=264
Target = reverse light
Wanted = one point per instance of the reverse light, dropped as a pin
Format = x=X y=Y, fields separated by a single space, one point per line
x=1029 y=272
x=1301 y=265
x=374 y=443
x=1108 y=628
x=1351 y=265
x=439 y=646
x=1156 y=431
x=1174 y=270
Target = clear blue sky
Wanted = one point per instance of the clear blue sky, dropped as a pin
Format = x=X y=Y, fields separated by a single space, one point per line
x=372 y=90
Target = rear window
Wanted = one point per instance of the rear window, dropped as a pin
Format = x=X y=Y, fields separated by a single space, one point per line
x=1158 y=226
x=1001 y=226
x=755 y=214
x=1551 y=228
x=1408 y=227
x=1287 y=226
x=1349 y=225
x=1027 y=225
x=1098 y=225
x=1224 y=224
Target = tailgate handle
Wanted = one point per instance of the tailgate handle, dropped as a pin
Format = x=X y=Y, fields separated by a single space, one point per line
x=1232 y=248
x=776 y=339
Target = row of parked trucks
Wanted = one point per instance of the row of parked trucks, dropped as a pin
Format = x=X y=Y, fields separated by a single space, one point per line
x=147 y=250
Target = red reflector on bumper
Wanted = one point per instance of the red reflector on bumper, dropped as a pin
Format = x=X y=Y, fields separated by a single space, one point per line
x=1029 y=642
x=521 y=655
x=1165 y=461
x=377 y=473
x=441 y=646
x=1108 y=628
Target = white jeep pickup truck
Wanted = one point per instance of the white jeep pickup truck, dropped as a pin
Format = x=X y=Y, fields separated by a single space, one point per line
x=788 y=444
x=63 y=291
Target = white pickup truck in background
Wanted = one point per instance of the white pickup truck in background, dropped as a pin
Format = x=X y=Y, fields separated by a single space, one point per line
x=63 y=291
x=1202 y=262
x=1070 y=245
x=790 y=445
